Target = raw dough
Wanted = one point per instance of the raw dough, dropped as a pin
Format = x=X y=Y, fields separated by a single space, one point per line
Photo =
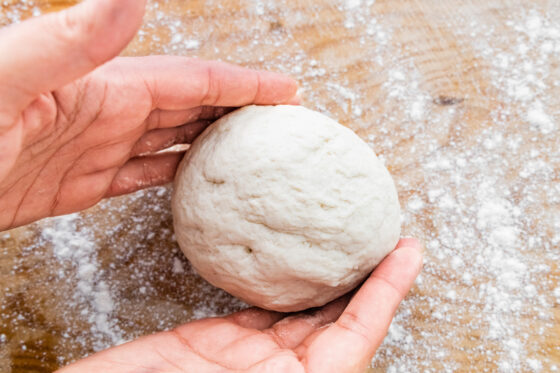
x=283 y=207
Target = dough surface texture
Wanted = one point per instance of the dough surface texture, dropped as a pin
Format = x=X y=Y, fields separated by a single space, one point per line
x=283 y=207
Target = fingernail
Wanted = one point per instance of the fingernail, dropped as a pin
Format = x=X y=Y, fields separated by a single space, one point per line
x=296 y=100
x=412 y=242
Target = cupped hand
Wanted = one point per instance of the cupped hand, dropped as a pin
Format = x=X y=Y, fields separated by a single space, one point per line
x=75 y=128
x=339 y=337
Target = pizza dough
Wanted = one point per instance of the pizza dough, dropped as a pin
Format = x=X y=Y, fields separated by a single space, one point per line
x=283 y=207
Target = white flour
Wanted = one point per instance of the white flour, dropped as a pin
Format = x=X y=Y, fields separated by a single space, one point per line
x=490 y=193
x=92 y=293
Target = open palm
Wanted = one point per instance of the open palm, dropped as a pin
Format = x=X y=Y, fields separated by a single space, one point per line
x=335 y=338
x=71 y=136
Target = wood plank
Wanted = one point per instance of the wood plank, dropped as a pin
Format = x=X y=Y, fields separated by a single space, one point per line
x=446 y=92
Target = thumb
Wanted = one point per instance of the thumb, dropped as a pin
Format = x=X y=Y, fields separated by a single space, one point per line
x=44 y=53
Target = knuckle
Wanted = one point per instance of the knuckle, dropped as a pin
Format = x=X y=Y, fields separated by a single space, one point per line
x=394 y=288
x=70 y=27
x=154 y=119
x=258 y=88
x=74 y=29
x=212 y=89
x=351 y=322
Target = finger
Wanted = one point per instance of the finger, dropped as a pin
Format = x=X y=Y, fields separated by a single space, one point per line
x=144 y=172
x=46 y=52
x=410 y=242
x=179 y=83
x=349 y=344
x=255 y=318
x=171 y=118
x=156 y=140
x=292 y=330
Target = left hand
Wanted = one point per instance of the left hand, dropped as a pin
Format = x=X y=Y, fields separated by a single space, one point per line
x=335 y=338
x=74 y=129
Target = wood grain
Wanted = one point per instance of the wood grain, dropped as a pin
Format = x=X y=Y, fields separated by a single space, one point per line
x=449 y=49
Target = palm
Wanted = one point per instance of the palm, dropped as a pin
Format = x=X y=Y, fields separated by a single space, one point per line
x=75 y=154
x=339 y=337
x=96 y=137
x=252 y=340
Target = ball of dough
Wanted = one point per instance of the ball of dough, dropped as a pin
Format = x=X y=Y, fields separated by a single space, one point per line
x=283 y=207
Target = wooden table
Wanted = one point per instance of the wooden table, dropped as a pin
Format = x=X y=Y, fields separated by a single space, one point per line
x=462 y=101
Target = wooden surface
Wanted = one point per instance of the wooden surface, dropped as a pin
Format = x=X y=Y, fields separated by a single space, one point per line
x=462 y=101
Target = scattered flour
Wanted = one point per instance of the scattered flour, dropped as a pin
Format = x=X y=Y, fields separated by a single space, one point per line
x=539 y=119
x=178 y=266
x=486 y=226
x=485 y=200
x=92 y=295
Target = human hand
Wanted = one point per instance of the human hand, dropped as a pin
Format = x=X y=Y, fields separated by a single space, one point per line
x=72 y=133
x=338 y=337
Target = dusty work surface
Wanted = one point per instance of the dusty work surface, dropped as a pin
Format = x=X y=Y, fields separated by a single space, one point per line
x=462 y=101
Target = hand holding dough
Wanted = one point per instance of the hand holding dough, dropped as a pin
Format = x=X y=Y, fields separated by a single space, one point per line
x=283 y=207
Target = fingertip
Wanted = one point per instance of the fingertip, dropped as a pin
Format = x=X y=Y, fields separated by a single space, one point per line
x=285 y=88
x=296 y=99
x=408 y=257
x=410 y=242
x=113 y=26
x=83 y=37
x=295 y=92
x=144 y=172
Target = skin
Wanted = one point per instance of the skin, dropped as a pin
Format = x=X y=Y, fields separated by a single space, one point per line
x=72 y=136
x=339 y=337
